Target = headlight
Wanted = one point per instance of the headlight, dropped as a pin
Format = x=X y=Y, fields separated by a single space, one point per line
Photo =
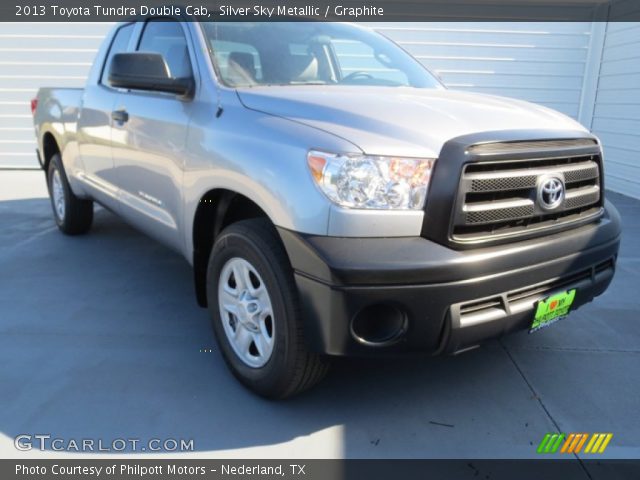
x=361 y=181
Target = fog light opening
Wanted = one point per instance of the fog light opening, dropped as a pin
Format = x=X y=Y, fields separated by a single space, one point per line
x=379 y=325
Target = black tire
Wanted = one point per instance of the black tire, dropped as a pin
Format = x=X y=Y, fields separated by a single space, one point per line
x=291 y=368
x=77 y=215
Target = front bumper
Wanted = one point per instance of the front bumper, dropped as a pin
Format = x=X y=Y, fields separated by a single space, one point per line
x=450 y=299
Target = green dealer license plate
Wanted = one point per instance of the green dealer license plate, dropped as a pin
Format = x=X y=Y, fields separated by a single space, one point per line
x=551 y=309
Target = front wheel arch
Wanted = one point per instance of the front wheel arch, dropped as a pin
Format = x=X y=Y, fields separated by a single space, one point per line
x=216 y=210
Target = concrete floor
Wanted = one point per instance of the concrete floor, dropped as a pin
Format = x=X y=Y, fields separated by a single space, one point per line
x=100 y=337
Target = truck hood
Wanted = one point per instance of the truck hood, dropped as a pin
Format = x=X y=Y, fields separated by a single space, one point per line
x=401 y=121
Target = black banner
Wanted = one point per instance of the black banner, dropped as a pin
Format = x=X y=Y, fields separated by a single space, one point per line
x=323 y=10
x=116 y=469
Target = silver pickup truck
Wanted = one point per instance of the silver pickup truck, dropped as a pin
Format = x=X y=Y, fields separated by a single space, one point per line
x=332 y=196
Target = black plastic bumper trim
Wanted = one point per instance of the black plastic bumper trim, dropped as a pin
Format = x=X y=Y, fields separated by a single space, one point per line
x=415 y=260
x=337 y=277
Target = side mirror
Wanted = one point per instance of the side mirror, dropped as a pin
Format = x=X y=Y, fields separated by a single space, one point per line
x=146 y=71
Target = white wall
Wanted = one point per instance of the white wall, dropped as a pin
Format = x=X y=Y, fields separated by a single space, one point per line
x=616 y=118
x=34 y=55
x=538 y=62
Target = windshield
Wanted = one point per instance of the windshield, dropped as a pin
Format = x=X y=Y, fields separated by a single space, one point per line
x=310 y=53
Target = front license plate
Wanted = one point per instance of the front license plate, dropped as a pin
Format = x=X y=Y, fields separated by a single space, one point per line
x=551 y=309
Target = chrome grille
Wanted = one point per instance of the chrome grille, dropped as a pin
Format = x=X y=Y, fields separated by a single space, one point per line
x=582 y=197
x=499 y=197
x=498 y=212
x=503 y=183
x=533 y=146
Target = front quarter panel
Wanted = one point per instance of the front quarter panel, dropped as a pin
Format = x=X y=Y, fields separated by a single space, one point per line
x=260 y=156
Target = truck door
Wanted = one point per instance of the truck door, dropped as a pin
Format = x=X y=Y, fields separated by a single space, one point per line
x=95 y=125
x=149 y=136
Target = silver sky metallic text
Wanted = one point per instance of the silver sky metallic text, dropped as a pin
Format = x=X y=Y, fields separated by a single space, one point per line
x=308 y=11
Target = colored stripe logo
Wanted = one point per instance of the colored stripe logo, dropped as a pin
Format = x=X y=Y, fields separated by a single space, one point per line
x=574 y=442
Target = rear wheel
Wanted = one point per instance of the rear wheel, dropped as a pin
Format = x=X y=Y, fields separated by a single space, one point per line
x=73 y=215
x=255 y=313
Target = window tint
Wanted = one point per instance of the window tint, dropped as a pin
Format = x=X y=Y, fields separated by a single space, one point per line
x=167 y=38
x=360 y=61
x=299 y=53
x=119 y=45
x=239 y=62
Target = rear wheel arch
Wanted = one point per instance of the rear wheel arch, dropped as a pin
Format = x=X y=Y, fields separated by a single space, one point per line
x=49 y=148
x=72 y=215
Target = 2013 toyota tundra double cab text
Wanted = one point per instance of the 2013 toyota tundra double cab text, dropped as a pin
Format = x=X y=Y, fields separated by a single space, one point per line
x=332 y=196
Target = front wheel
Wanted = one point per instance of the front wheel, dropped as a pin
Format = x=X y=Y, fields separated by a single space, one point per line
x=255 y=313
x=73 y=215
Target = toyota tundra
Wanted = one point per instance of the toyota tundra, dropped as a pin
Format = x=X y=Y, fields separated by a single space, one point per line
x=332 y=196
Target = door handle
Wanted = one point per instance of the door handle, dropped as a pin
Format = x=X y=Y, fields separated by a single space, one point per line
x=120 y=116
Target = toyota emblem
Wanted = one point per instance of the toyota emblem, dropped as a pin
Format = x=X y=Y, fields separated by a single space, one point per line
x=550 y=192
